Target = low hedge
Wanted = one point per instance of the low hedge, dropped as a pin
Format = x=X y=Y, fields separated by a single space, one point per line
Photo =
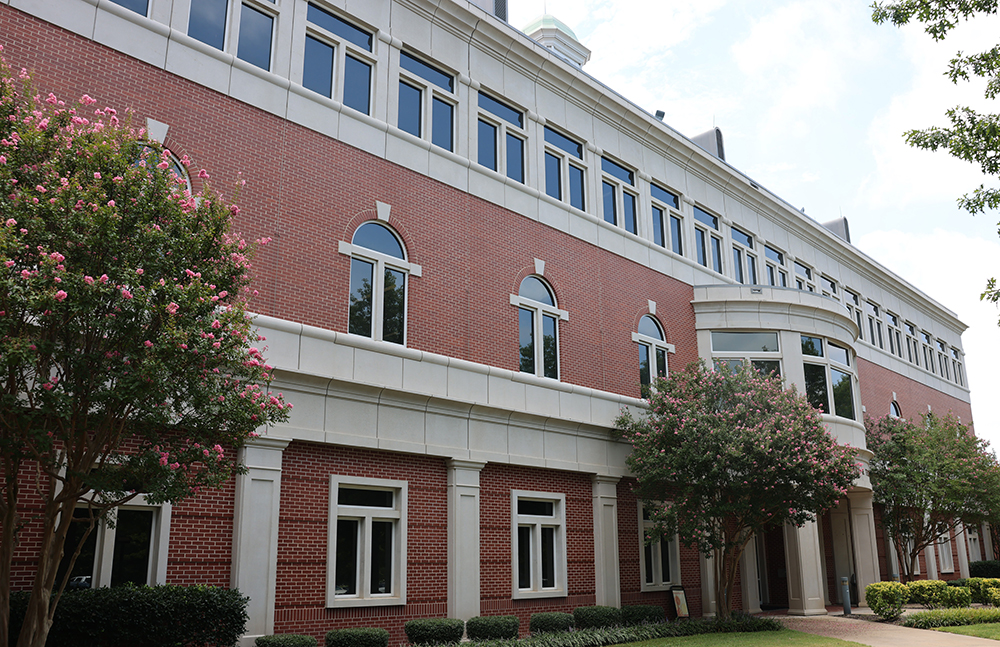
x=956 y=597
x=434 y=631
x=927 y=592
x=986 y=568
x=360 y=637
x=642 y=614
x=596 y=617
x=492 y=627
x=978 y=586
x=124 y=616
x=993 y=597
x=963 y=582
x=550 y=622
x=886 y=599
x=285 y=640
x=951 y=618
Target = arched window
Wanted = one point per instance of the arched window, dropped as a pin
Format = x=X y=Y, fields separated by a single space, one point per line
x=538 y=317
x=378 y=283
x=894 y=410
x=652 y=351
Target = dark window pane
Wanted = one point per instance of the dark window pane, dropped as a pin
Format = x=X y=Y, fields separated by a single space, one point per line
x=394 y=306
x=255 y=37
x=207 y=22
x=515 y=158
x=610 y=203
x=410 y=109
x=488 y=145
x=133 y=536
x=138 y=6
x=648 y=554
x=441 y=129
x=526 y=339
x=628 y=202
x=717 y=254
x=502 y=110
x=533 y=288
x=728 y=365
x=664 y=196
x=617 y=170
x=812 y=346
x=357 y=84
x=658 y=227
x=317 y=73
x=661 y=362
x=774 y=255
x=843 y=394
x=742 y=238
x=536 y=508
x=365 y=498
x=664 y=561
x=553 y=176
x=699 y=243
x=83 y=569
x=576 y=187
x=524 y=557
x=770 y=275
x=745 y=342
x=381 y=575
x=644 y=378
x=839 y=354
x=675 y=235
x=784 y=279
x=427 y=72
x=562 y=142
x=375 y=237
x=737 y=265
x=767 y=366
x=549 y=348
x=360 y=317
x=346 y=573
x=816 y=387
x=751 y=269
x=649 y=328
x=548 y=557
x=706 y=218
x=335 y=25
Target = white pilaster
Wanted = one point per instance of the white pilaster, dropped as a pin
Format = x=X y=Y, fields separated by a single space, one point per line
x=255 y=532
x=463 y=538
x=963 y=551
x=608 y=586
x=865 y=545
x=748 y=578
x=802 y=559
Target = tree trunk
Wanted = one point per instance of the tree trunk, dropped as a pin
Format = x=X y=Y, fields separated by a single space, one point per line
x=10 y=522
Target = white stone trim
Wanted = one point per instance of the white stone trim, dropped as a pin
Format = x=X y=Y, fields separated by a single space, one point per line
x=558 y=521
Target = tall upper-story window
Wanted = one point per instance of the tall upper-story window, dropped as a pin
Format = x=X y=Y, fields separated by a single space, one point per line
x=564 y=170
x=425 y=89
x=828 y=287
x=619 y=199
x=928 y=352
x=653 y=351
x=253 y=28
x=912 y=345
x=744 y=257
x=894 y=334
x=660 y=563
x=707 y=244
x=337 y=49
x=853 y=304
x=828 y=376
x=956 y=364
x=943 y=360
x=776 y=273
x=538 y=328
x=379 y=272
x=141 y=7
x=667 y=225
x=874 y=324
x=804 y=277
x=501 y=137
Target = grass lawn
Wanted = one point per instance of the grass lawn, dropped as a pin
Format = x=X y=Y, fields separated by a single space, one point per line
x=990 y=630
x=786 y=638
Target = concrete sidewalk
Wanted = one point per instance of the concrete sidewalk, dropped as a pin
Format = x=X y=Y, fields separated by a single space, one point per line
x=878 y=634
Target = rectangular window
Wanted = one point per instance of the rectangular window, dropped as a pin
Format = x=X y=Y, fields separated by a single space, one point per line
x=254 y=44
x=437 y=96
x=829 y=287
x=663 y=201
x=138 y=6
x=816 y=391
x=366 y=542
x=804 y=277
x=708 y=247
x=945 y=556
x=744 y=258
x=441 y=124
x=843 y=393
x=675 y=235
x=410 y=109
x=775 y=260
x=812 y=346
x=562 y=176
x=332 y=44
x=660 y=563
x=658 y=233
x=553 y=176
x=619 y=200
x=487 y=136
x=738 y=265
x=539 y=544
x=503 y=125
x=745 y=342
x=717 y=254
x=706 y=218
x=874 y=324
x=699 y=244
x=207 y=22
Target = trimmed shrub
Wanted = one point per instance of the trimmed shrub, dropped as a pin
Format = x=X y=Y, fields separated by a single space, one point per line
x=492 y=627
x=642 y=614
x=963 y=582
x=285 y=640
x=434 y=631
x=992 y=597
x=986 y=568
x=927 y=592
x=886 y=599
x=124 y=616
x=951 y=618
x=978 y=586
x=360 y=637
x=596 y=617
x=956 y=597
x=550 y=621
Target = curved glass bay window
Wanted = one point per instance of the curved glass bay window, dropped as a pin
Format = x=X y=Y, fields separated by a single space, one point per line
x=653 y=351
x=538 y=328
x=828 y=377
x=760 y=349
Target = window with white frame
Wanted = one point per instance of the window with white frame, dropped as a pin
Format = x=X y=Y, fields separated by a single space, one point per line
x=894 y=334
x=912 y=346
x=366 y=544
x=943 y=360
x=619 y=202
x=667 y=224
x=427 y=101
x=338 y=49
x=708 y=245
x=945 y=557
x=660 y=563
x=538 y=327
x=252 y=29
x=804 y=277
x=975 y=550
x=956 y=364
x=928 y=352
x=379 y=271
x=538 y=544
x=828 y=287
x=141 y=7
x=744 y=257
x=853 y=304
x=874 y=324
x=894 y=410
x=732 y=349
x=564 y=169
x=829 y=377
x=501 y=137
x=134 y=551
x=653 y=351
x=775 y=261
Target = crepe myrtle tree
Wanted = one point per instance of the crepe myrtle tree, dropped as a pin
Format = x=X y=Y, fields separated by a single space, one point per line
x=721 y=456
x=930 y=476
x=127 y=361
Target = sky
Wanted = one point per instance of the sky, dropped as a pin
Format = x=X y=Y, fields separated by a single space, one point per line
x=813 y=99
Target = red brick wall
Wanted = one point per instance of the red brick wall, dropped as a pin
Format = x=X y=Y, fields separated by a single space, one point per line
x=300 y=596
x=201 y=538
x=879 y=383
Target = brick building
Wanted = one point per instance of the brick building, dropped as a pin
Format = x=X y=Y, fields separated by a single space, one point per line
x=479 y=255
